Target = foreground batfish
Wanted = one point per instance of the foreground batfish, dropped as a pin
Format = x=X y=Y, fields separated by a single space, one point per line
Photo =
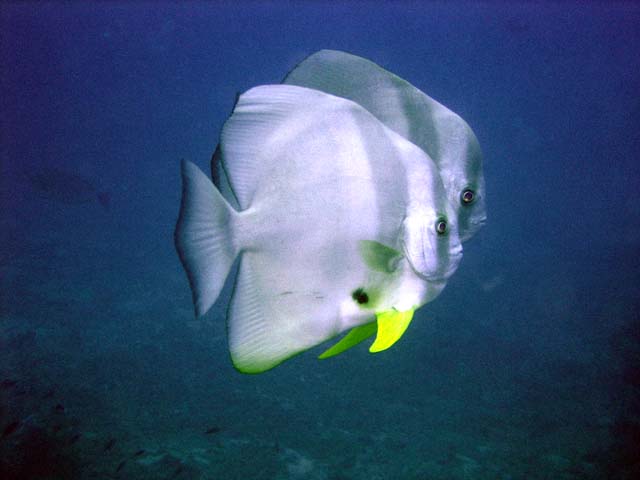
x=343 y=223
x=446 y=137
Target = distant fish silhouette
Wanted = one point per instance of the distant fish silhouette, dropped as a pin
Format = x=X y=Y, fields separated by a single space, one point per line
x=212 y=430
x=67 y=187
x=139 y=453
x=109 y=445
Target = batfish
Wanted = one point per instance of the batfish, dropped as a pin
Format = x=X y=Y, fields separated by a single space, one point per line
x=441 y=133
x=341 y=224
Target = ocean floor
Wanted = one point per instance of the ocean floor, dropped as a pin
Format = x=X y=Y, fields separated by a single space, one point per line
x=110 y=376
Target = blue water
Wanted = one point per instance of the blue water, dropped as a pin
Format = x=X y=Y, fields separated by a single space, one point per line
x=526 y=367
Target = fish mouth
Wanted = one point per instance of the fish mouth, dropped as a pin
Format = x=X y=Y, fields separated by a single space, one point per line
x=479 y=221
x=439 y=275
x=472 y=227
x=454 y=262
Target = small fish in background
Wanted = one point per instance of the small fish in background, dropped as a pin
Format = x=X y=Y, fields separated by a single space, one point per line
x=212 y=430
x=343 y=225
x=121 y=465
x=74 y=438
x=139 y=453
x=59 y=408
x=67 y=187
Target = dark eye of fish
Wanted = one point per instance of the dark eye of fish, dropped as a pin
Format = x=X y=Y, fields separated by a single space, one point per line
x=360 y=296
x=441 y=226
x=468 y=196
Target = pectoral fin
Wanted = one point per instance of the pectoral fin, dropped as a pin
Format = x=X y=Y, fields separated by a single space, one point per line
x=391 y=325
x=351 y=339
x=378 y=257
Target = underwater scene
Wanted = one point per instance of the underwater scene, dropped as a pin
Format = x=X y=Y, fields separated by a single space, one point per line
x=320 y=240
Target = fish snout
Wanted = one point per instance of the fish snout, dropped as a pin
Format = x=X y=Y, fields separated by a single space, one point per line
x=455 y=256
x=434 y=255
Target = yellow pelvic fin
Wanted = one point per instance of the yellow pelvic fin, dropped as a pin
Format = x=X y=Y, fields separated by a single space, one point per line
x=351 y=339
x=391 y=325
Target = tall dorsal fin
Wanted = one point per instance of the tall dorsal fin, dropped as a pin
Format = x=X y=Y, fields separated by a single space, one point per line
x=263 y=117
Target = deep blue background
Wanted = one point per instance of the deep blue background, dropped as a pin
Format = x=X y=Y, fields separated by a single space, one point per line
x=526 y=366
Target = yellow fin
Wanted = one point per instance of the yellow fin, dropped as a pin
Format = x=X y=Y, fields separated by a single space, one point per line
x=391 y=325
x=351 y=339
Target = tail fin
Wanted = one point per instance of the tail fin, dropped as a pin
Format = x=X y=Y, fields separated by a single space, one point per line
x=203 y=237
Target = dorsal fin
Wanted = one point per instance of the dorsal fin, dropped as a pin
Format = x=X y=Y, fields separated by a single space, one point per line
x=261 y=118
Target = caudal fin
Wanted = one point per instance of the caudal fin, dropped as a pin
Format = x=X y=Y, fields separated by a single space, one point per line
x=203 y=237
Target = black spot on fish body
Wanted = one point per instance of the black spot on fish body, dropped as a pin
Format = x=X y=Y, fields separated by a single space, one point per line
x=360 y=296
x=9 y=429
x=109 y=445
x=212 y=430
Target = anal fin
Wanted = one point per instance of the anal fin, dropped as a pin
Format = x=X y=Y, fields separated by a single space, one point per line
x=351 y=339
x=391 y=326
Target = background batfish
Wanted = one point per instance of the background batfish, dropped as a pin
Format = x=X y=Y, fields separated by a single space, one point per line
x=441 y=133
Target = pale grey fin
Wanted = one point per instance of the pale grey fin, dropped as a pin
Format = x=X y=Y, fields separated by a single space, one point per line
x=203 y=237
x=379 y=257
x=266 y=326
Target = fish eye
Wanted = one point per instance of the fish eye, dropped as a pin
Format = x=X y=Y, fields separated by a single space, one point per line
x=441 y=226
x=467 y=196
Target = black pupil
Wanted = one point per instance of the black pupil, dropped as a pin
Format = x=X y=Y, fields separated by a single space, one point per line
x=467 y=196
x=441 y=227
